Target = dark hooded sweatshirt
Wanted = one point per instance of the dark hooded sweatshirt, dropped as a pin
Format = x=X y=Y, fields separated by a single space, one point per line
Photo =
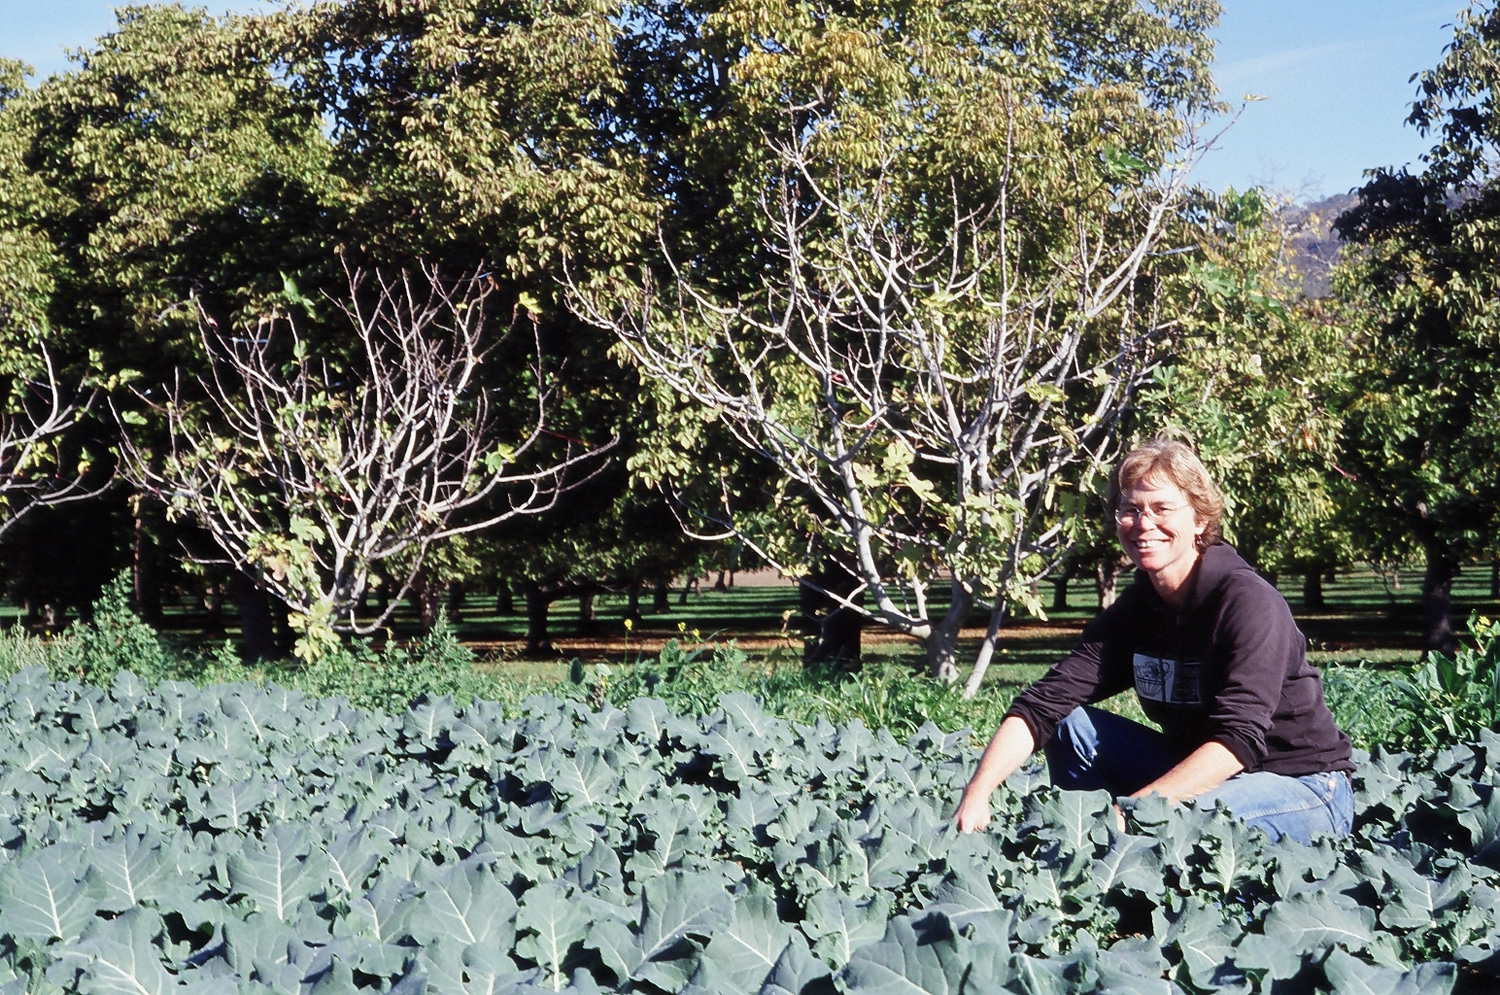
x=1228 y=668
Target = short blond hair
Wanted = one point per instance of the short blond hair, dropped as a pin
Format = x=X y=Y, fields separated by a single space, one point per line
x=1173 y=461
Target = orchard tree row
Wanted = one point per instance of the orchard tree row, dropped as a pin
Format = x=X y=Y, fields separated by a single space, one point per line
x=314 y=313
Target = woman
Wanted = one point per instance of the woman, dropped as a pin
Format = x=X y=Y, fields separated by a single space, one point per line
x=1216 y=660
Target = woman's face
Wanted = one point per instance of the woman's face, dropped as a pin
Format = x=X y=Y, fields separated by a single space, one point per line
x=1159 y=530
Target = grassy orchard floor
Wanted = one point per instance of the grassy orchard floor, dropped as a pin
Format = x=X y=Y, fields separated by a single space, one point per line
x=1361 y=622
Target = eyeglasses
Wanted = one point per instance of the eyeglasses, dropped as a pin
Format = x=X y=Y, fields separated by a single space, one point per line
x=1127 y=516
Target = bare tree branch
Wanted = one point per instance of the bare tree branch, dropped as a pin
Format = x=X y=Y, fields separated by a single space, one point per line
x=311 y=474
x=931 y=394
x=33 y=471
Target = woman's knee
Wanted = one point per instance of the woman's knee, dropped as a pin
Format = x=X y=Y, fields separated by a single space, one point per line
x=1299 y=808
x=1074 y=744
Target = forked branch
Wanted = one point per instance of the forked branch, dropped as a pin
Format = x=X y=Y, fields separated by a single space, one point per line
x=317 y=472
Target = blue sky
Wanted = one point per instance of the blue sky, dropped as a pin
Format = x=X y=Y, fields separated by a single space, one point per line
x=1334 y=74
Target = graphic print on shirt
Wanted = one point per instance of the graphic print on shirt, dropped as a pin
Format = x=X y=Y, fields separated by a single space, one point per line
x=1173 y=682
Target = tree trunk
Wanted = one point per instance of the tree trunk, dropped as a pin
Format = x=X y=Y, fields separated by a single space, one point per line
x=427 y=598
x=145 y=575
x=54 y=616
x=537 y=603
x=588 y=621
x=942 y=654
x=505 y=599
x=661 y=598
x=1312 y=590
x=1437 y=597
x=1107 y=572
x=281 y=624
x=986 y=650
x=1495 y=578
x=687 y=588
x=834 y=628
x=633 y=603
x=942 y=643
x=719 y=584
x=212 y=601
x=456 y=595
x=253 y=605
x=1060 y=591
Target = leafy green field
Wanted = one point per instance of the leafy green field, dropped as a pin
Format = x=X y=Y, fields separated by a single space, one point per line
x=237 y=838
x=722 y=642
x=696 y=821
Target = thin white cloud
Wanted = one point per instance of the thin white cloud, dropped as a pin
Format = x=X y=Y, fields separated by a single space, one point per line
x=1259 y=66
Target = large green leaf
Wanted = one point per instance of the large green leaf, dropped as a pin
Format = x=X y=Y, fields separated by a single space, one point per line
x=1131 y=864
x=910 y=959
x=966 y=889
x=278 y=872
x=352 y=858
x=230 y=805
x=454 y=968
x=466 y=904
x=669 y=833
x=838 y=925
x=1232 y=857
x=1315 y=921
x=136 y=868
x=1351 y=976
x=1076 y=819
x=1415 y=901
x=735 y=753
x=382 y=912
x=646 y=719
x=1134 y=967
x=742 y=952
x=552 y=921
x=48 y=894
x=122 y=957
x=673 y=908
x=1205 y=942
x=795 y=970
x=584 y=778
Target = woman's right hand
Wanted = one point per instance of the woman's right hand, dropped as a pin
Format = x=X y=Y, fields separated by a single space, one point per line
x=1008 y=749
x=973 y=813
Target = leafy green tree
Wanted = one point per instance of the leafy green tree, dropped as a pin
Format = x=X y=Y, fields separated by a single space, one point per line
x=168 y=164
x=510 y=133
x=225 y=163
x=1422 y=427
x=952 y=303
x=1255 y=379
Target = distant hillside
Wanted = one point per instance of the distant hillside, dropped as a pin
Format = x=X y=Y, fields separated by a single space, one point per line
x=1315 y=247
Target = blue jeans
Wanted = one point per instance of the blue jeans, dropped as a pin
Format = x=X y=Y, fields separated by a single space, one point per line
x=1094 y=749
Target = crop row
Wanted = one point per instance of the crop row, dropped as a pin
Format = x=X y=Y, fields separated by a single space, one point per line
x=252 y=840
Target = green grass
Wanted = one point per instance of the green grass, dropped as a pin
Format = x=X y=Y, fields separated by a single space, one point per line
x=736 y=640
x=1361 y=622
x=1366 y=637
